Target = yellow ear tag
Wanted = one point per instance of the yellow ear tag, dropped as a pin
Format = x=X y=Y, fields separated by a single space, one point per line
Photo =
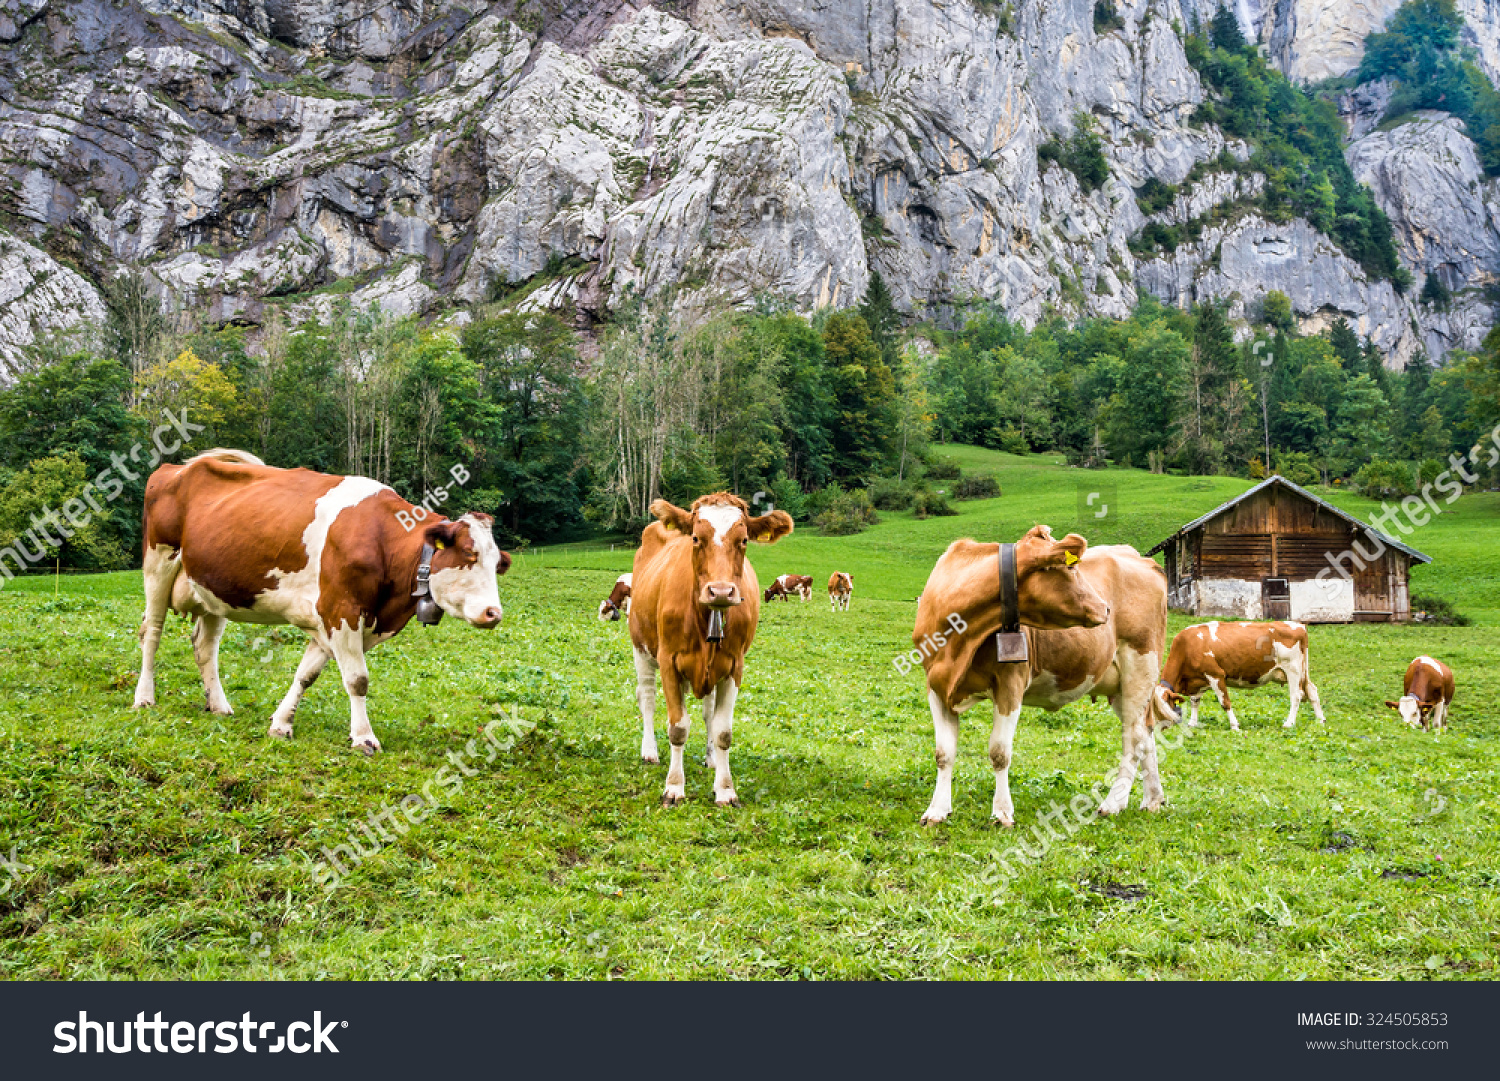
x=1069 y=558
x=439 y=545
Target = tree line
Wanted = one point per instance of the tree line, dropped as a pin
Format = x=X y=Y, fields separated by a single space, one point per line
x=832 y=416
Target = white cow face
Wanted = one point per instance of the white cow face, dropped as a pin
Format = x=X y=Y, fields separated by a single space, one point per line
x=1410 y=708
x=466 y=568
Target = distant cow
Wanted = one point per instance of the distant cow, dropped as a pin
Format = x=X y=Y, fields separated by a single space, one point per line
x=1217 y=656
x=1095 y=623
x=788 y=585
x=618 y=600
x=697 y=603
x=840 y=590
x=1428 y=693
x=229 y=538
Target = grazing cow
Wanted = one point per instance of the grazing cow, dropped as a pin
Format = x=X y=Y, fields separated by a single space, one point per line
x=618 y=600
x=1428 y=694
x=840 y=590
x=229 y=538
x=1217 y=656
x=789 y=584
x=697 y=602
x=1094 y=622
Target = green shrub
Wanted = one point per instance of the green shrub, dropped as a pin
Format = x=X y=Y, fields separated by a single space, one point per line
x=1106 y=18
x=1082 y=154
x=983 y=486
x=929 y=504
x=888 y=493
x=1383 y=479
x=1297 y=467
x=788 y=495
x=1435 y=294
x=846 y=513
x=1436 y=610
x=943 y=469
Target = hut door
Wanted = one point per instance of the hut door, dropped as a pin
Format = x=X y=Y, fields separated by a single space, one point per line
x=1275 y=599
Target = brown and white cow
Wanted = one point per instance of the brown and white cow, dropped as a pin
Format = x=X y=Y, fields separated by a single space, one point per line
x=789 y=585
x=692 y=580
x=618 y=600
x=1095 y=621
x=228 y=538
x=1217 y=656
x=840 y=590
x=1427 y=694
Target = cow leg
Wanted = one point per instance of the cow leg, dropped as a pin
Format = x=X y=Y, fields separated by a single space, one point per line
x=348 y=647
x=678 y=725
x=945 y=732
x=1293 y=672
x=159 y=572
x=708 y=726
x=721 y=735
x=1221 y=692
x=1193 y=713
x=207 y=632
x=1002 y=735
x=1132 y=704
x=1311 y=692
x=1439 y=718
x=1152 y=795
x=313 y=660
x=645 y=698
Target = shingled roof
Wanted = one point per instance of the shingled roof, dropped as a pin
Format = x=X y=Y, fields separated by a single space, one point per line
x=1277 y=478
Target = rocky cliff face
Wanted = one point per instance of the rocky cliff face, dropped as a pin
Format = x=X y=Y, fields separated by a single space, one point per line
x=424 y=154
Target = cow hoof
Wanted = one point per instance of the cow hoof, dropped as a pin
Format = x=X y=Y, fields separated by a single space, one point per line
x=368 y=747
x=672 y=799
x=1002 y=823
x=651 y=759
x=280 y=731
x=1109 y=810
x=1288 y=724
x=726 y=799
x=934 y=818
x=1154 y=805
x=143 y=703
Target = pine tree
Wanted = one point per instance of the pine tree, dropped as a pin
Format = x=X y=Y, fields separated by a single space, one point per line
x=1225 y=31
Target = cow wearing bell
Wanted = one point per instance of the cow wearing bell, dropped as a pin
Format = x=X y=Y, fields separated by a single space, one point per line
x=618 y=600
x=695 y=609
x=1217 y=656
x=1428 y=693
x=227 y=538
x=1094 y=621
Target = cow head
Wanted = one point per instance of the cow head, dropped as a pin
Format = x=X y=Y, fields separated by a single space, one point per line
x=609 y=612
x=1053 y=595
x=721 y=528
x=1413 y=710
x=465 y=566
x=1166 y=706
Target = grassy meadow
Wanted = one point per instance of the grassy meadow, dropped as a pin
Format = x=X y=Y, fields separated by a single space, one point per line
x=171 y=843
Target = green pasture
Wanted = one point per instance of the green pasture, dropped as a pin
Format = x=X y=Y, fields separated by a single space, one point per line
x=171 y=843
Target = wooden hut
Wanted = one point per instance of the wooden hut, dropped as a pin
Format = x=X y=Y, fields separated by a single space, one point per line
x=1280 y=552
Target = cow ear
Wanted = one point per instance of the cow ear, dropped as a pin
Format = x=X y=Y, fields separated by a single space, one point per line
x=672 y=517
x=769 y=528
x=504 y=564
x=1393 y=705
x=444 y=534
x=1064 y=553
